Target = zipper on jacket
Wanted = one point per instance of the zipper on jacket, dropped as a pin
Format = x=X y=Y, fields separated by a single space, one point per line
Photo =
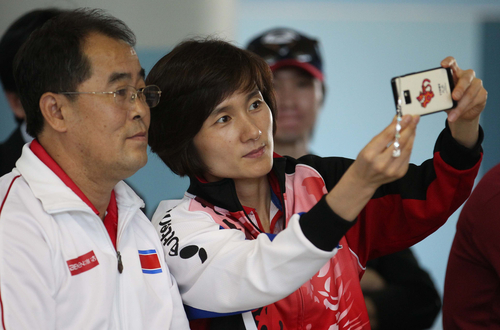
x=302 y=309
x=120 y=264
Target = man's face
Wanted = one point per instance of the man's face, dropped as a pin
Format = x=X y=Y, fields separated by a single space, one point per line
x=110 y=139
x=299 y=97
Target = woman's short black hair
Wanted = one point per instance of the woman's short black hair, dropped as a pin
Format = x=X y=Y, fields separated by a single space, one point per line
x=195 y=77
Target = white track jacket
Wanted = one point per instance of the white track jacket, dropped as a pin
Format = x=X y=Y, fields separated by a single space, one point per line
x=58 y=266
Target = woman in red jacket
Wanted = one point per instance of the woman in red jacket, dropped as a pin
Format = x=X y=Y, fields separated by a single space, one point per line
x=270 y=242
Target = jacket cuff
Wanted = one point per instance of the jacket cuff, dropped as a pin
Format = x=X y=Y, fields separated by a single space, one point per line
x=455 y=154
x=323 y=227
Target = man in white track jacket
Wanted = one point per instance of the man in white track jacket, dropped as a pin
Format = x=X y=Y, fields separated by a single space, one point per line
x=76 y=252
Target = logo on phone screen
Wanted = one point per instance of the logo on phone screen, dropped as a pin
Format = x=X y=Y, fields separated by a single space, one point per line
x=426 y=94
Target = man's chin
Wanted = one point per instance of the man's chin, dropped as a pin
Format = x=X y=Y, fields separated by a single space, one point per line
x=133 y=165
x=141 y=162
x=287 y=138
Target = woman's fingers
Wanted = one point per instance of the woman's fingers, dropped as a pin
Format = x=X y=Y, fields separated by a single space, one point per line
x=468 y=92
x=375 y=163
x=380 y=142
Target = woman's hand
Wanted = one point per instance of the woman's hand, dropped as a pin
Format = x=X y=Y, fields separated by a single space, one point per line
x=375 y=164
x=471 y=98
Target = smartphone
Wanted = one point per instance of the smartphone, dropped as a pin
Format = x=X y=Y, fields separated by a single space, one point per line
x=424 y=92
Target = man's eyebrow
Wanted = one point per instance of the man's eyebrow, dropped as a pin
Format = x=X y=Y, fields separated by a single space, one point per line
x=117 y=76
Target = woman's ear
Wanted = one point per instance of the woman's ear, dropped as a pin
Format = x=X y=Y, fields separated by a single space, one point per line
x=51 y=105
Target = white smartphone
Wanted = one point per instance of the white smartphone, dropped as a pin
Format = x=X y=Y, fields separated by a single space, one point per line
x=424 y=92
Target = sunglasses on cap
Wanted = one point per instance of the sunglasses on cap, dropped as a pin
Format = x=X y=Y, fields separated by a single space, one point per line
x=286 y=47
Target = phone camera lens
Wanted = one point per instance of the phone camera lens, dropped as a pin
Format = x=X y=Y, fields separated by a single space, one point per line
x=407 y=97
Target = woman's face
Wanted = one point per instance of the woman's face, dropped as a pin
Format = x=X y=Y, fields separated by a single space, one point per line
x=236 y=140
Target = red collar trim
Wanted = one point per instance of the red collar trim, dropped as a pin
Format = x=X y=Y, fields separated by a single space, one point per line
x=201 y=179
x=111 y=219
x=275 y=155
x=40 y=152
x=275 y=186
x=274 y=220
x=273 y=182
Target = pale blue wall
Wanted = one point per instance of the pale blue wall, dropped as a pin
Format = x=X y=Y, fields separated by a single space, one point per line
x=155 y=182
x=491 y=68
x=7 y=122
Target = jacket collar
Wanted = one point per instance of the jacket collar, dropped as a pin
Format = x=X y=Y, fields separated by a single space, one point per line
x=223 y=193
x=55 y=195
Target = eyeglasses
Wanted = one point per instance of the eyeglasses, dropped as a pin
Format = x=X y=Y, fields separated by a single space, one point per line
x=149 y=95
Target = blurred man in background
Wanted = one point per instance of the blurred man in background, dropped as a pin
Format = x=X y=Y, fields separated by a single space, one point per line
x=11 y=41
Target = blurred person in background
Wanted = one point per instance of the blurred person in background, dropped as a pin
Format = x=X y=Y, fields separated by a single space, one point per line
x=471 y=296
x=13 y=38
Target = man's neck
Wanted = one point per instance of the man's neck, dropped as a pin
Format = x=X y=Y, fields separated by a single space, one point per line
x=98 y=194
x=96 y=189
x=294 y=149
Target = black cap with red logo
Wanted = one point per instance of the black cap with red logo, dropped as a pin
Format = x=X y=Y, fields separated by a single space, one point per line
x=283 y=47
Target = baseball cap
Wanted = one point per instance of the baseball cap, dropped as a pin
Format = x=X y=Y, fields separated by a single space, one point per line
x=282 y=47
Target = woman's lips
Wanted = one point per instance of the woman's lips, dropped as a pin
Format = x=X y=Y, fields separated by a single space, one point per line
x=256 y=153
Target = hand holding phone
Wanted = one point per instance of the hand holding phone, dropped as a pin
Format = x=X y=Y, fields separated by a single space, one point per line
x=424 y=92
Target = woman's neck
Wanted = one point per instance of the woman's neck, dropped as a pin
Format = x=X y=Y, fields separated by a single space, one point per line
x=255 y=193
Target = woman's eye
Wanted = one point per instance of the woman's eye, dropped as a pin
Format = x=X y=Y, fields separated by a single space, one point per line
x=223 y=119
x=255 y=105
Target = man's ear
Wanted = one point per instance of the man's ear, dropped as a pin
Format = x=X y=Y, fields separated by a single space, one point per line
x=15 y=104
x=323 y=89
x=51 y=107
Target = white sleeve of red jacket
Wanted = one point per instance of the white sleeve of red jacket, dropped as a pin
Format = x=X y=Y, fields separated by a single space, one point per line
x=243 y=274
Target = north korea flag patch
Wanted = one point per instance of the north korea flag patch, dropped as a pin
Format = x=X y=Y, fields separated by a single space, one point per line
x=149 y=261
